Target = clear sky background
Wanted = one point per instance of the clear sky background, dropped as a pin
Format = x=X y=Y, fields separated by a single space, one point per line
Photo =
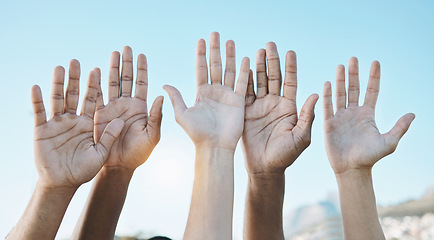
x=37 y=36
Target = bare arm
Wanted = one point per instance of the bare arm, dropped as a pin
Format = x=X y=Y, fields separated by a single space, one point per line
x=138 y=138
x=65 y=153
x=215 y=124
x=274 y=136
x=354 y=145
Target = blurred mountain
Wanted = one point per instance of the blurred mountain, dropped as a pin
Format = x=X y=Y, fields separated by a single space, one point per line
x=410 y=220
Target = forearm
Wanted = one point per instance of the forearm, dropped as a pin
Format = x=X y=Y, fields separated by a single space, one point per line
x=358 y=206
x=104 y=205
x=264 y=203
x=44 y=213
x=211 y=206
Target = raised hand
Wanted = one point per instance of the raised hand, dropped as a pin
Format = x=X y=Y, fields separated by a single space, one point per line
x=65 y=152
x=140 y=133
x=273 y=135
x=216 y=119
x=133 y=147
x=352 y=138
x=215 y=124
x=273 y=138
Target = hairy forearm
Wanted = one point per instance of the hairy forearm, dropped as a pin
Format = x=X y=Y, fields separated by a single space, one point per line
x=264 y=203
x=211 y=206
x=44 y=213
x=103 y=208
x=358 y=206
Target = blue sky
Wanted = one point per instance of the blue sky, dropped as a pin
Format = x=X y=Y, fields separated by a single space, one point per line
x=36 y=37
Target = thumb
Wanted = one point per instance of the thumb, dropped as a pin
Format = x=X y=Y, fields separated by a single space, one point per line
x=307 y=113
x=155 y=117
x=304 y=123
x=395 y=134
x=109 y=136
x=177 y=102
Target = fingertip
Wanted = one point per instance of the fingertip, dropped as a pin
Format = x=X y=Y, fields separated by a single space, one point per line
x=215 y=34
x=118 y=123
x=97 y=70
x=291 y=54
x=116 y=54
x=74 y=63
x=270 y=46
x=160 y=99
x=376 y=63
x=327 y=84
x=141 y=58
x=94 y=79
x=127 y=49
x=59 y=69
x=260 y=53
x=245 y=66
x=230 y=44
x=201 y=47
x=354 y=60
x=35 y=88
x=340 y=67
x=35 y=92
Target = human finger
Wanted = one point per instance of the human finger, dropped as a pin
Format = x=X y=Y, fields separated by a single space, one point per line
x=274 y=74
x=127 y=72
x=230 y=69
x=114 y=76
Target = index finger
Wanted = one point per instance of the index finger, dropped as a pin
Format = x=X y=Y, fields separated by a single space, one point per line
x=373 y=85
x=142 y=78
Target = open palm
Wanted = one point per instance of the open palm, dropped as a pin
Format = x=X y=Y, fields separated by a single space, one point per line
x=65 y=152
x=273 y=135
x=352 y=138
x=217 y=117
x=140 y=133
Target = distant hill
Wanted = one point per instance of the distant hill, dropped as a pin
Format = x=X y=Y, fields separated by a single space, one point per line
x=323 y=220
x=416 y=207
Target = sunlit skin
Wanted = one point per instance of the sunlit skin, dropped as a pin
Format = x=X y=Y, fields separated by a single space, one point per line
x=66 y=155
x=140 y=133
x=138 y=138
x=215 y=124
x=354 y=144
x=274 y=136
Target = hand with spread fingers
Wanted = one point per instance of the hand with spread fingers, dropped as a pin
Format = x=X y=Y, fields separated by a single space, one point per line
x=274 y=136
x=216 y=119
x=66 y=155
x=138 y=138
x=140 y=133
x=352 y=138
x=215 y=124
x=354 y=144
x=65 y=152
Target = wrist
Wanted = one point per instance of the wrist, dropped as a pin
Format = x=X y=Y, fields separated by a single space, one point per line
x=215 y=151
x=117 y=170
x=44 y=188
x=351 y=175
x=217 y=145
x=266 y=181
